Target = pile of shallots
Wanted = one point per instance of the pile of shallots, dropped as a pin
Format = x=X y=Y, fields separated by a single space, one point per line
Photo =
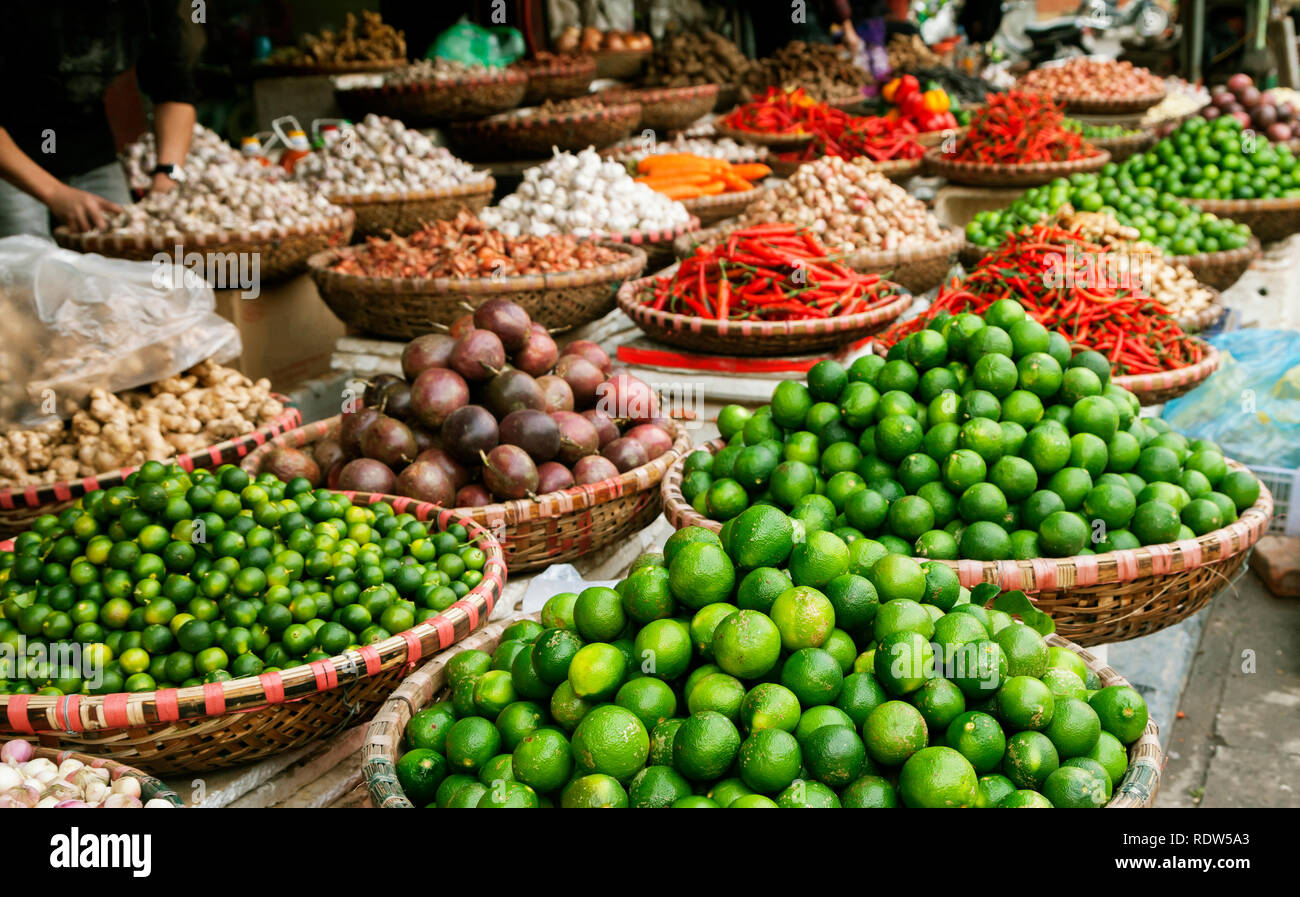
x=30 y=781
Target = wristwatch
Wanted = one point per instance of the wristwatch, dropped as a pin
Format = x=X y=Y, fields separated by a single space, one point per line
x=175 y=172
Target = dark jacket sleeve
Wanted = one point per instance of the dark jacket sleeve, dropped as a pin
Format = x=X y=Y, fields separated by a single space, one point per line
x=162 y=70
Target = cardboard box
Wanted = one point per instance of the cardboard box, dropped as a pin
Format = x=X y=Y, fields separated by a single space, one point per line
x=288 y=331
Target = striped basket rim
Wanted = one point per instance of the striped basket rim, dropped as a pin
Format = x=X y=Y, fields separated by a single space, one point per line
x=1092 y=104
x=151 y=788
x=95 y=242
x=472 y=188
x=1054 y=573
x=31 y=714
x=319 y=264
x=628 y=300
x=639 y=237
x=737 y=201
x=989 y=174
x=568 y=67
x=1228 y=208
x=35 y=495
x=1189 y=376
x=553 y=504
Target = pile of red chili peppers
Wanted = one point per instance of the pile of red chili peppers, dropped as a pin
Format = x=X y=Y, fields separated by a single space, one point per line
x=835 y=132
x=769 y=272
x=1018 y=128
x=1135 y=332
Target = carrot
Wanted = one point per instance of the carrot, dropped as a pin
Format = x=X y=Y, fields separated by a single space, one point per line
x=685 y=191
x=736 y=184
x=673 y=180
x=751 y=171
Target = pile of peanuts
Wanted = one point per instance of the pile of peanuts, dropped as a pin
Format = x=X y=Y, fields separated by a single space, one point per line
x=849 y=205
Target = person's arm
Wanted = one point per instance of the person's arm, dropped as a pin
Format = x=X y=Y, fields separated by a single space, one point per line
x=76 y=208
x=173 y=127
x=164 y=75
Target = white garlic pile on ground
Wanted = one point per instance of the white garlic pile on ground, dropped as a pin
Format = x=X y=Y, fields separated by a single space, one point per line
x=583 y=195
x=207 y=151
x=382 y=155
x=848 y=205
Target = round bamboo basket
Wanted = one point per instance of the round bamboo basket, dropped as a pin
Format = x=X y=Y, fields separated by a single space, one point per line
x=981 y=174
x=1120 y=148
x=712 y=209
x=404 y=308
x=1269 y=220
x=557 y=80
x=554 y=528
x=1206 y=317
x=898 y=170
x=404 y=213
x=223 y=724
x=448 y=99
x=384 y=742
x=928 y=139
x=621 y=65
x=1163 y=386
x=532 y=134
x=150 y=787
x=1097 y=105
x=306 y=67
x=755 y=337
x=280 y=251
x=1223 y=268
x=666 y=108
x=918 y=269
x=774 y=142
x=656 y=244
x=21 y=505
x=1094 y=599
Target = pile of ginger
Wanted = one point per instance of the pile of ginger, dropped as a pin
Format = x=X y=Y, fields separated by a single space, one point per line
x=189 y=412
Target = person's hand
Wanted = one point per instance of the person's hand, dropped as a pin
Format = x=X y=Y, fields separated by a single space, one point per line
x=80 y=210
x=851 y=38
x=161 y=183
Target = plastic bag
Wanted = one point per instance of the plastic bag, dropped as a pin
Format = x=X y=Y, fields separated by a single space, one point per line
x=475 y=45
x=1250 y=406
x=75 y=321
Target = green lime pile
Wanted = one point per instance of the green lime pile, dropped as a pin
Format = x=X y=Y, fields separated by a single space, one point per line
x=1217 y=159
x=979 y=438
x=757 y=669
x=1133 y=197
x=174 y=579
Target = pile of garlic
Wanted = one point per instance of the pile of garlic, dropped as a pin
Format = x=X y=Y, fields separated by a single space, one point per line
x=695 y=142
x=207 y=151
x=423 y=70
x=583 y=195
x=382 y=155
x=30 y=781
x=849 y=205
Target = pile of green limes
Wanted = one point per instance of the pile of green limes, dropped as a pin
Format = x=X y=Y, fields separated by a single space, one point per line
x=977 y=437
x=757 y=669
x=176 y=579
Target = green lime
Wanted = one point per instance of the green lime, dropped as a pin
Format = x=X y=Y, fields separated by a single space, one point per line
x=700 y=573
x=769 y=705
x=705 y=746
x=761 y=586
x=893 y=732
x=1121 y=711
x=1029 y=759
x=611 y=741
x=747 y=643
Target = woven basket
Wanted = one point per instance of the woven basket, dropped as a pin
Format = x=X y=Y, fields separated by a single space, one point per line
x=895 y=169
x=223 y=724
x=621 y=65
x=281 y=252
x=404 y=213
x=1094 y=599
x=447 y=99
x=1120 y=148
x=557 y=80
x=21 y=505
x=555 y=528
x=980 y=174
x=666 y=108
x=404 y=308
x=774 y=142
x=1095 y=105
x=917 y=269
x=657 y=245
x=309 y=67
x=150 y=788
x=529 y=134
x=928 y=139
x=1269 y=220
x=1221 y=269
x=1161 y=387
x=384 y=741
x=712 y=209
x=768 y=338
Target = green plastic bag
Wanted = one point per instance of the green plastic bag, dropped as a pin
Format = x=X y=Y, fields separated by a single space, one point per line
x=475 y=45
